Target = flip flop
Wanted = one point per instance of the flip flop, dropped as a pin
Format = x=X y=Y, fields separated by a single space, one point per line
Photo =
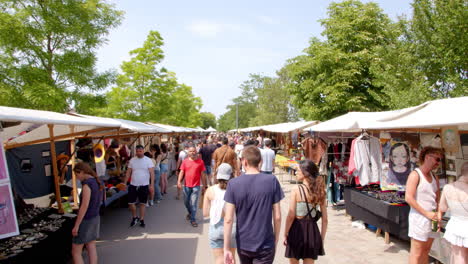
x=194 y=224
x=187 y=217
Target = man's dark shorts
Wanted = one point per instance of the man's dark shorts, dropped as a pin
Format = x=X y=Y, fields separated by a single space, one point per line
x=264 y=256
x=138 y=194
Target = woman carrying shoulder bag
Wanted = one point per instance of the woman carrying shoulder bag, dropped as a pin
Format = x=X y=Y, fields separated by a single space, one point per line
x=303 y=239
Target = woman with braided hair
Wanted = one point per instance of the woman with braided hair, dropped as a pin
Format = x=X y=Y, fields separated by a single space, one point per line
x=86 y=229
x=303 y=238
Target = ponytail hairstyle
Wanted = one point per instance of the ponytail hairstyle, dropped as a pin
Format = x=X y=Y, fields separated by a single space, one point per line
x=84 y=167
x=314 y=182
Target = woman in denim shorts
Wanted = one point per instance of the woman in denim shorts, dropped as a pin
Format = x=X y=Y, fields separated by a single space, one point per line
x=213 y=207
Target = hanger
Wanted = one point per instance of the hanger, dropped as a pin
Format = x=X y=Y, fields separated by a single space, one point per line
x=365 y=135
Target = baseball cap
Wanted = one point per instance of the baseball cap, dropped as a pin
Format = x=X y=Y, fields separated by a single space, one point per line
x=224 y=172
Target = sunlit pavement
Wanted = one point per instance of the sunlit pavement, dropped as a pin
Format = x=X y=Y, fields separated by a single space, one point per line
x=169 y=239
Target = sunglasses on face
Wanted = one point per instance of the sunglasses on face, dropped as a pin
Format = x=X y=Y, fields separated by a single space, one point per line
x=436 y=158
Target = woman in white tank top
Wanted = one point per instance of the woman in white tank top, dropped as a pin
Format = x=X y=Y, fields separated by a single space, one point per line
x=422 y=194
x=213 y=207
x=455 y=198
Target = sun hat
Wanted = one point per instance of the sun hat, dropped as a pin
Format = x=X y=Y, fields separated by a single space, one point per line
x=224 y=172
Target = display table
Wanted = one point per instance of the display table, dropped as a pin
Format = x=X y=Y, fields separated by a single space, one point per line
x=115 y=197
x=55 y=248
x=389 y=218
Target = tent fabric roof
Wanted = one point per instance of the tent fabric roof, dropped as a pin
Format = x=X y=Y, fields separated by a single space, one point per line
x=133 y=126
x=174 y=129
x=280 y=128
x=432 y=114
x=46 y=117
x=210 y=129
x=355 y=121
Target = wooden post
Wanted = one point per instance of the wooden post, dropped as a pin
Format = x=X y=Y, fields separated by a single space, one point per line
x=73 y=161
x=53 y=153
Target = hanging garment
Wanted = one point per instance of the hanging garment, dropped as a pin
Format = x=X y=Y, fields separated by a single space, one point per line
x=366 y=160
x=314 y=149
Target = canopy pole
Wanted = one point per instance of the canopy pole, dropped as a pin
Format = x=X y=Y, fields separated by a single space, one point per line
x=73 y=160
x=53 y=153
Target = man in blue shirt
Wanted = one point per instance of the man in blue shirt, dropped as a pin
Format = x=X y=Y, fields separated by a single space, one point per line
x=255 y=198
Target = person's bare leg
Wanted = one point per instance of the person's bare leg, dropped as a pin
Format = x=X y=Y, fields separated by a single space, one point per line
x=218 y=255
x=308 y=261
x=132 y=209
x=92 y=252
x=77 y=253
x=419 y=252
x=293 y=261
x=142 y=211
x=164 y=182
x=459 y=255
x=427 y=249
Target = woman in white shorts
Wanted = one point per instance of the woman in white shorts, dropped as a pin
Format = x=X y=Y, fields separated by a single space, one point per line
x=422 y=194
x=213 y=207
x=455 y=198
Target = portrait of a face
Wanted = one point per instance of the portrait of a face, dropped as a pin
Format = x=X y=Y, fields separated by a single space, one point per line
x=400 y=158
x=450 y=139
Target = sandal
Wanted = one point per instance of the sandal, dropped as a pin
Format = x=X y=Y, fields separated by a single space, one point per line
x=194 y=224
x=187 y=217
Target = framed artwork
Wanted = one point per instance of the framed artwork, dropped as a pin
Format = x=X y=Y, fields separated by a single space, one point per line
x=48 y=170
x=450 y=165
x=26 y=165
x=450 y=139
x=3 y=165
x=8 y=223
x=45 y=153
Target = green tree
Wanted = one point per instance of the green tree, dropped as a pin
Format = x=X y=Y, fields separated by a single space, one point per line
x=245 y=104
x=439 y=31
x=47 y=52
x=273 y=102
x=146 y=91
x=333 y=77
x=403 y=83
x=208 y=120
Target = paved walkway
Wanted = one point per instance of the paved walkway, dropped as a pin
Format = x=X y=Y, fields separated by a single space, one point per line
x=169 y=239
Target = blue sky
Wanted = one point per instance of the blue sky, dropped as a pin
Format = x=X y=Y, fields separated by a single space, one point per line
x=213 y=46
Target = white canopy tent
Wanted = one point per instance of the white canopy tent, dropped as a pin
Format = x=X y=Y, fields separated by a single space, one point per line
x=355 y=121
x=280 y=128
x=288 y=127
x=51 y=123
x=210 y=129
x=432 y=114
x=173 y=129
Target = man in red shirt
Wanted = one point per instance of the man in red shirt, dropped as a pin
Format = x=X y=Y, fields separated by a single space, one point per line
x=192 y=170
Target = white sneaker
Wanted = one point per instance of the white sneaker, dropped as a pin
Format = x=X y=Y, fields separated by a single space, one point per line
x=151 y=203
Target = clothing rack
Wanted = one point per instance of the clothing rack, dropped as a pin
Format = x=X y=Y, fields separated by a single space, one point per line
x=338 y=137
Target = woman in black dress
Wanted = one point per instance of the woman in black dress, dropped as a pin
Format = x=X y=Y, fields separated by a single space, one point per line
x=303 y=238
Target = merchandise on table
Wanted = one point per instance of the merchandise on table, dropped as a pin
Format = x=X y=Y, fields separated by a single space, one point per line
x=36 y=225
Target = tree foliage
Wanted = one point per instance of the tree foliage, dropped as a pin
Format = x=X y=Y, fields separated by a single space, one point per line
x=47 y=52
x=439 y=31
x=208 y=120
x=147 y=92
x=334 y=77
x=264 y=100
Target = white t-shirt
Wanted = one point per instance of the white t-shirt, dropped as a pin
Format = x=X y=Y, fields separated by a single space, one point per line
x=183 y=155
x=140 y=172
x=268 y=158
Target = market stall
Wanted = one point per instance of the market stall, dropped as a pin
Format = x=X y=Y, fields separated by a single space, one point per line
x=26 y=231
x=286 y=139
x=443 y=118
x=386 y=146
